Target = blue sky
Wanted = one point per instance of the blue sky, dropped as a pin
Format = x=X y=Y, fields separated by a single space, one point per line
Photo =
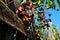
x=55 y=16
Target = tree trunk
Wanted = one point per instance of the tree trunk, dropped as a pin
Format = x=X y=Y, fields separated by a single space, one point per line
x=11 y=18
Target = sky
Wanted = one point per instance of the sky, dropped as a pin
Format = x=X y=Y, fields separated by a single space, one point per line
x=55 y=16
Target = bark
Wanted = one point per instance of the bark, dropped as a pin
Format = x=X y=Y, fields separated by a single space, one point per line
x=10 y=17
